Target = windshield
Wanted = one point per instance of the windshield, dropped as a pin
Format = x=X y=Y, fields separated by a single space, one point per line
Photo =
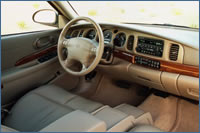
x=180 y=13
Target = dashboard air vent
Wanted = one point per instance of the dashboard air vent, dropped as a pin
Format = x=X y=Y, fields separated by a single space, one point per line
x=173 y=55
x=130 y=42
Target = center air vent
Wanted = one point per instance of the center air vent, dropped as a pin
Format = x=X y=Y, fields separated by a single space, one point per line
x=174 y=50
x=130 y=43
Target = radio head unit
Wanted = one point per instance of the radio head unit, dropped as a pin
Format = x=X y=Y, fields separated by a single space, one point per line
x=150 y=46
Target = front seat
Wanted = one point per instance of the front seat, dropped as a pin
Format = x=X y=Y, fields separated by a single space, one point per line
x=42 y=106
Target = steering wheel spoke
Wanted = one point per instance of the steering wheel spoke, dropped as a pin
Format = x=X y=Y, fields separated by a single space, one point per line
x=65 y=43
x=84 y=66
x=94 y=50
x=68 y=62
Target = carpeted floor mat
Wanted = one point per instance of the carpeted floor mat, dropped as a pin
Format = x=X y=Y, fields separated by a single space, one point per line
x=187 y=119
x=172 y=113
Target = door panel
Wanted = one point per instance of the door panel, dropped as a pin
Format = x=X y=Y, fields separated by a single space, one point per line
x=17 y=83
x=25 y=66
x=15 y=47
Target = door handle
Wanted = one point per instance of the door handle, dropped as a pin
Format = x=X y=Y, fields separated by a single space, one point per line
x=43 y=42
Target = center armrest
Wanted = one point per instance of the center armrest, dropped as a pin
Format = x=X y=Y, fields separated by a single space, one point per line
x=76 y=121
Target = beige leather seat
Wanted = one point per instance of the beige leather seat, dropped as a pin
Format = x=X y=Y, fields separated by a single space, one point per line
x=41 y=107
x=44 y=105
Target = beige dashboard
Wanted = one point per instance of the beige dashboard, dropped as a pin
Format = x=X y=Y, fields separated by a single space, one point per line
x=182 y=58
x=179 y=76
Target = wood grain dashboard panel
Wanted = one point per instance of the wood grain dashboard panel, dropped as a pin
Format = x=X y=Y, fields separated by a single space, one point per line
x=123 y=55
x=164 y=65
x=179 y=68
x=34 y=56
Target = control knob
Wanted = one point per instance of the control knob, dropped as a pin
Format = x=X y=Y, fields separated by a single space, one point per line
x=138 y=49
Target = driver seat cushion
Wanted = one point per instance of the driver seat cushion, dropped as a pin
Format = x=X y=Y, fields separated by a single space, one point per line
x=44 y=105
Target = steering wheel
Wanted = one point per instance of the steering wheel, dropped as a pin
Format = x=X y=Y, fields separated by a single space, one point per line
x=86 y=52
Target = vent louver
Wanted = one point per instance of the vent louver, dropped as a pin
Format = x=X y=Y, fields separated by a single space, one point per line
x=174 y=50
x=130 y=43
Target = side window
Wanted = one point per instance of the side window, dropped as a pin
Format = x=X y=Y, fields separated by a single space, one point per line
x=16 y=16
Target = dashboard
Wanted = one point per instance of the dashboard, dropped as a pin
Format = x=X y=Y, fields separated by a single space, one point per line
x=159 y=59
x=138 y=43
x=158 y=62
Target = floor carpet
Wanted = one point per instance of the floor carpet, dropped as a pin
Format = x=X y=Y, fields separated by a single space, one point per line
x=172 y=114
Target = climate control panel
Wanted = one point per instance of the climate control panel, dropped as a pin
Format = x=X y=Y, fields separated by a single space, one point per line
x=147 y=62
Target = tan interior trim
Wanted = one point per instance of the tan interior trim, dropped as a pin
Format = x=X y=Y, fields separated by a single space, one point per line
x=188 y=86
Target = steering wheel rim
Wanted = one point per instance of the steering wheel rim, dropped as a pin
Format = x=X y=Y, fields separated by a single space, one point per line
x=73 y=46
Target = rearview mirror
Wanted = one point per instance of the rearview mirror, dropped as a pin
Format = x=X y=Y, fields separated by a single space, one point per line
x=46 y=17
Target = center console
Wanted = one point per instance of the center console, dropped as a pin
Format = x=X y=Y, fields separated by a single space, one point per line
x=150 y=46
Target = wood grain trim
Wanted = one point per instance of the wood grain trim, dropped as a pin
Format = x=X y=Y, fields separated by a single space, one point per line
x=123 y=55
x=179 y=68
x=164 y=65
x=34 y=56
